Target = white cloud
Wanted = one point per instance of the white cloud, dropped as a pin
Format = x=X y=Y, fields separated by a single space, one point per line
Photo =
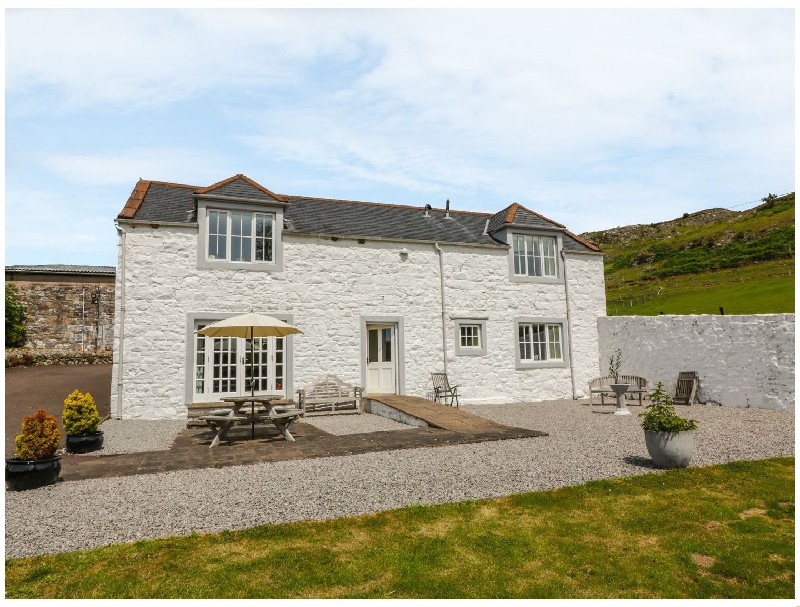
x=178 y=165
x=617 y=116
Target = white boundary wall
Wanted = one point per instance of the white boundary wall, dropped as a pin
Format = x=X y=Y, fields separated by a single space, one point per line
x=742 y=361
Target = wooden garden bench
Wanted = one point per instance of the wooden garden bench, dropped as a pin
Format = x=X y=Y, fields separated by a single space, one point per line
x=328 y=393
x=601 y=385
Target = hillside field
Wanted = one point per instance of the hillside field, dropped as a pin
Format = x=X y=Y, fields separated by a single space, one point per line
x=741 y=262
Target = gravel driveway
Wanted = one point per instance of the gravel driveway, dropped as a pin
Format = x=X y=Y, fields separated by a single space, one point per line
x=584 y=443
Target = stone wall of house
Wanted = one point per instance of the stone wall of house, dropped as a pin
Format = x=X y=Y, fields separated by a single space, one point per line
x=329 y=286
x=71 y=316
x=742 y=361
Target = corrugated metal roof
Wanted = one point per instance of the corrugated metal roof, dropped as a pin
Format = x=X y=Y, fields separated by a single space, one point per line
x=62 y=269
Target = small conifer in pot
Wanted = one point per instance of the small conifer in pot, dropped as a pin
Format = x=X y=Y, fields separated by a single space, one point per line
x=81 y=420
x=36 y=463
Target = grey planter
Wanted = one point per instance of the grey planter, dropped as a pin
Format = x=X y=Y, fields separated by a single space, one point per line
x=620 y=390
x=670 y=449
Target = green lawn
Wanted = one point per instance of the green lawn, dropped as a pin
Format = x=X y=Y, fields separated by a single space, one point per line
x=723 y=531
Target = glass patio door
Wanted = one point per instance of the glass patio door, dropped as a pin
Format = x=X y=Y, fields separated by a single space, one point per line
x=230 y=366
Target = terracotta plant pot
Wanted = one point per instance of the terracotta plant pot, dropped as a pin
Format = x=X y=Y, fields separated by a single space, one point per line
x=85 y=442
x=670 y=449
x=29 y=474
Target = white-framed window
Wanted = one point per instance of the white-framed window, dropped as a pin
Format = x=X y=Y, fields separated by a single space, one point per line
x=470 y=336
x=240 y=236
x=540 y=342
x=535 y=255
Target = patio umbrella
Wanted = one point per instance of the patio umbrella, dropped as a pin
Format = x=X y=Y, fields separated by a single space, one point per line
x=250 y=325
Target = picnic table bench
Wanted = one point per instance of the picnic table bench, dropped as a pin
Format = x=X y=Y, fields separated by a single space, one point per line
x=281 y=413
x=601 y=385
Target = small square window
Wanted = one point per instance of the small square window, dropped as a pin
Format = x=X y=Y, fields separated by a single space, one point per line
x=470 y=337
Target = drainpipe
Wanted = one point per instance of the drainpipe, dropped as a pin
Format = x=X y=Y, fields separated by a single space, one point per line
x=569 y=326
x=121 y=308
x=444 y=312
x=83 y=319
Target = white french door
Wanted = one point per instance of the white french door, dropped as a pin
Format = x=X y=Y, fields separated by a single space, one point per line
x=229 y=366
x=381 y=359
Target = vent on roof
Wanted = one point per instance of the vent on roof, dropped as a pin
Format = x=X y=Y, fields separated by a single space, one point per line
x=427 y=211
x=447 y=209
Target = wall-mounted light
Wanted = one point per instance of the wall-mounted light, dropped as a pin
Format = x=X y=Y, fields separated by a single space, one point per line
x=403 y=253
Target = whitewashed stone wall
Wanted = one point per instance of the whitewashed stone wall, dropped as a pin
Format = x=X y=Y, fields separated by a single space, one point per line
x=742 y=361
x=328 y=286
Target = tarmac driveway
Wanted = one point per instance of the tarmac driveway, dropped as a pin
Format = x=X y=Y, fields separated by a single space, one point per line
x=32 y=388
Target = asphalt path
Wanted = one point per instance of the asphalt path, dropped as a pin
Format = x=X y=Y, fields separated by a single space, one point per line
x=32 y=388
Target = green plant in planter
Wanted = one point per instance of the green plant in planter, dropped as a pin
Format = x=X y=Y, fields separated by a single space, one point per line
x=660 y=414
x=40 y=437
x=80 y=414
x=614 y=364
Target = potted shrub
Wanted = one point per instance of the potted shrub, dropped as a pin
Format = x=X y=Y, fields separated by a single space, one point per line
x=668 y=436
x=36 y=463
x=81 y=419
x=619 y=389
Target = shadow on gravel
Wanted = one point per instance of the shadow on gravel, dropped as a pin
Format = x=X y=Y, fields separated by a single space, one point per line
x=638 y=460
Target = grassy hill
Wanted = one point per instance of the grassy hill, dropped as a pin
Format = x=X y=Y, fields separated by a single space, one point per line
x=740 y=261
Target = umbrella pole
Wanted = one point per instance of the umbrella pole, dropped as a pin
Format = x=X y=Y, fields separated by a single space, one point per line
x=252 y=385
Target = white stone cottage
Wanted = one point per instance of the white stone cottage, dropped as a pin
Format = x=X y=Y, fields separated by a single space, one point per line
x=384 y=294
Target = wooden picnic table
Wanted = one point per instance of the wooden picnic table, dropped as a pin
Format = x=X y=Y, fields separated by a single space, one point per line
x=275 y=409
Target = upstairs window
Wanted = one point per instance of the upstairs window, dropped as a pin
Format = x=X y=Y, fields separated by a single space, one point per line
x=534 y=255
x=240 y=236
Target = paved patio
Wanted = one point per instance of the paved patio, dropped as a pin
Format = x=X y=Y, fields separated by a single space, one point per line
x=447 y=426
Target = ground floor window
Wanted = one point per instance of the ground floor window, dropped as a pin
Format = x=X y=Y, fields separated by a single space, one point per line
x=470 y=337
x=232 y=366
x=539 y=342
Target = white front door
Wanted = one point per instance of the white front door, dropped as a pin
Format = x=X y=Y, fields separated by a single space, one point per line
x=381 y=359
x=225 y=366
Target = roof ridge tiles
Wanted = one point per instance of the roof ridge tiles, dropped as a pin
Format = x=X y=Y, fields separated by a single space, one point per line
x=288 y=198
x=244 y=178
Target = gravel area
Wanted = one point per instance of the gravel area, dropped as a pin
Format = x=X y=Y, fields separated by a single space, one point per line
x=137 y=435
x=342 y=424
x=585 y=443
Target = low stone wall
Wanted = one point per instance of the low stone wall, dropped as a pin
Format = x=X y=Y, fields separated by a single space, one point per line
x=742 y=361
x=21 y=357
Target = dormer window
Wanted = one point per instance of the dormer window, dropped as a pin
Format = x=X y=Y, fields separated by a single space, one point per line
x=240 y=236
x=534 y=255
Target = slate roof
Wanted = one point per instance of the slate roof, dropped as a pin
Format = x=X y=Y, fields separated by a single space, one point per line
x=171 y=202
x=62 y=269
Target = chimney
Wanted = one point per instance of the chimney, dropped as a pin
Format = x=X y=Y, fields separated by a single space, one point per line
x=447 y=209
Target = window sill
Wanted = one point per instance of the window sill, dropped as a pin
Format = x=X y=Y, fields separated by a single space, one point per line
x=543 y=364
x=239 y=265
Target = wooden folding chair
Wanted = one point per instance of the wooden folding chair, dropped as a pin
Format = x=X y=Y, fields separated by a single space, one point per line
x=686 y=388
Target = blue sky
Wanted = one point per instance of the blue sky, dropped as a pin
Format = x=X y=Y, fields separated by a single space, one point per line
x=592 y=118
